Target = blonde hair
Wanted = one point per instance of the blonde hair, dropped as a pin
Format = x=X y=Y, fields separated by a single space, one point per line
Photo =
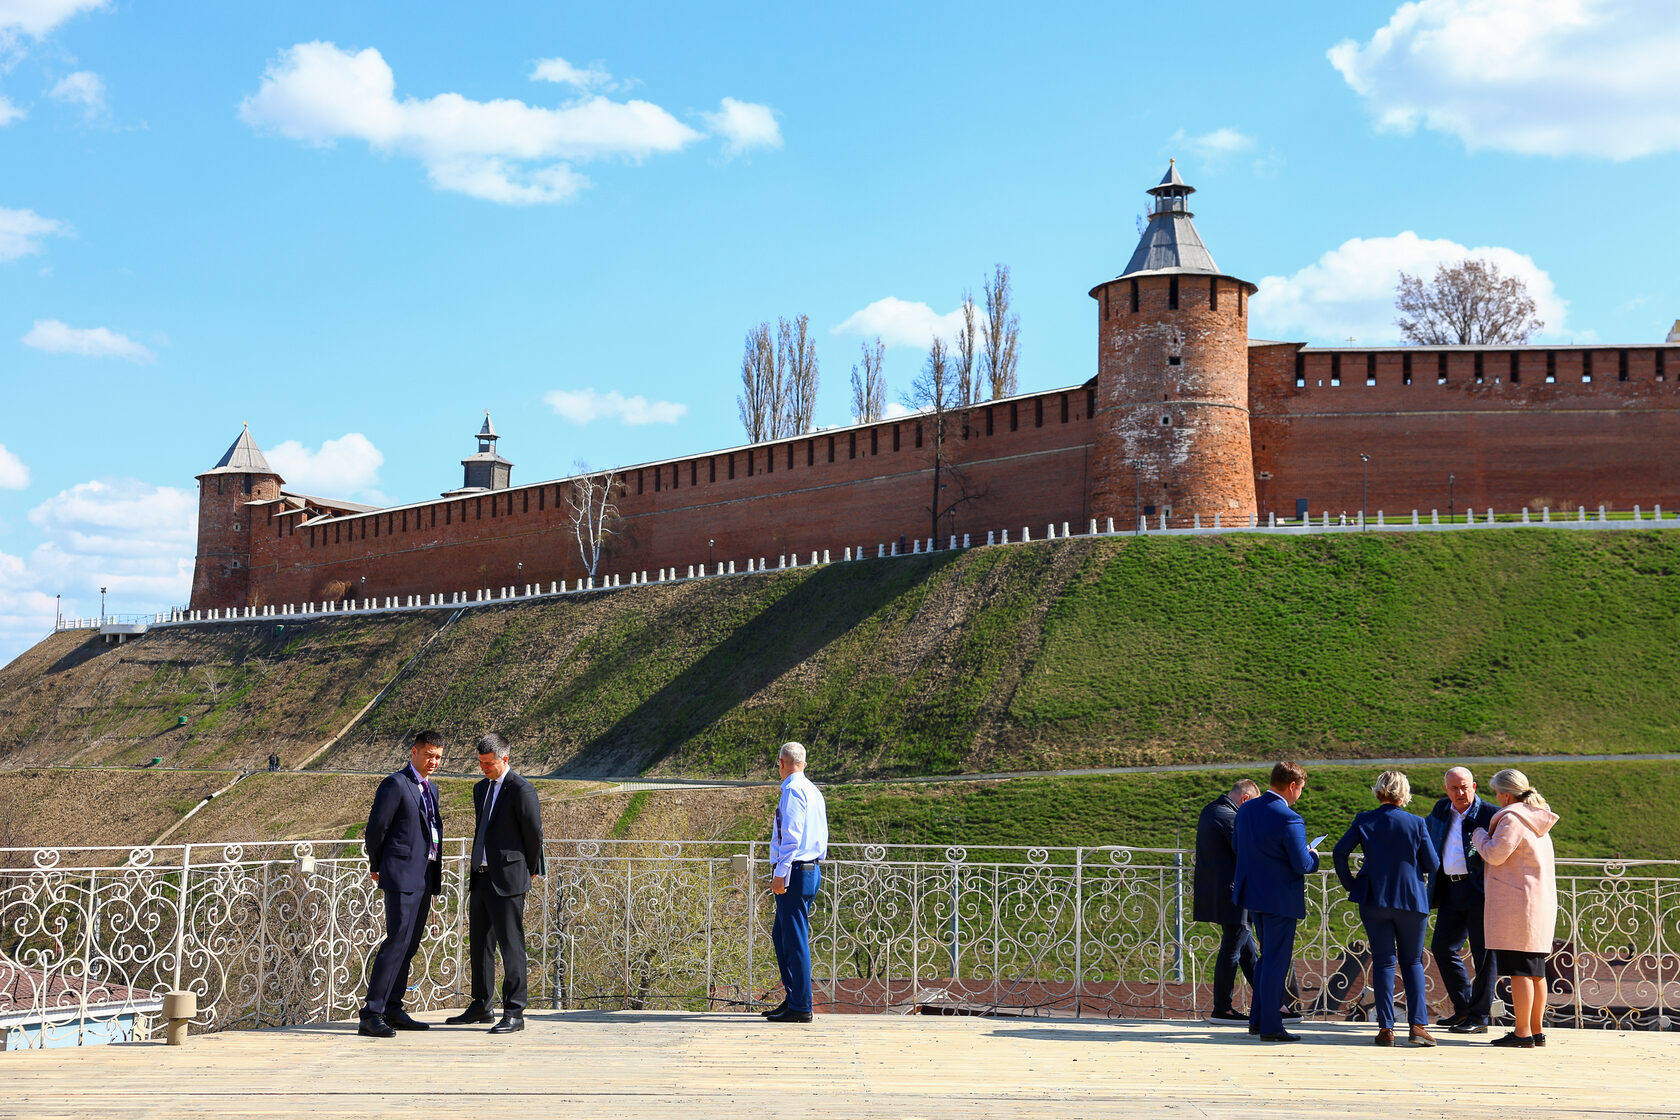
x=1515 y=783
x=1393 y=787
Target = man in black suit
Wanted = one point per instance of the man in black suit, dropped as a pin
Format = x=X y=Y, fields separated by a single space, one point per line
x=1456 y=893
x=404 y=841
x=1216 y=869
x=507 y=851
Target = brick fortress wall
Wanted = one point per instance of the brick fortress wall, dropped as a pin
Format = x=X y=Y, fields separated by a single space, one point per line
x=1514 y=427
x=1022 y=462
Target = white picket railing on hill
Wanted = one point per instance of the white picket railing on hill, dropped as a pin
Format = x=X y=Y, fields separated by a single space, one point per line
x=1155 y=525
x=284 y=933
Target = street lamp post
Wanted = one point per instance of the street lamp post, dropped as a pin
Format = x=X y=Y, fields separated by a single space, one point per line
x=58 y=611
x=101 y=606
x=710 y=563
x=364 y=593
x=1450 y=479
x=1364 y=488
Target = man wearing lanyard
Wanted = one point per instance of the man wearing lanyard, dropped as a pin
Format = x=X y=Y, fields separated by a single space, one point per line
x=403 y=838
x=1456 y=893
x=507 y=853
x=798 y=842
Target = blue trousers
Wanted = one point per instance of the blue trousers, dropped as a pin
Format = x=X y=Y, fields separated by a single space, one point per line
x=1236 y=951
x=1396 y=937
x=405 y=925
x=1277 y=953
x=791 y=934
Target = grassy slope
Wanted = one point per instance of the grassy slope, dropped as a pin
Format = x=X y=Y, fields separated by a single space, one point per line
x=1075 y=653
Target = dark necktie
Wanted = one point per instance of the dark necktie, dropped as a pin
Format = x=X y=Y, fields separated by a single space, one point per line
x=428 y=801
x=479 y=858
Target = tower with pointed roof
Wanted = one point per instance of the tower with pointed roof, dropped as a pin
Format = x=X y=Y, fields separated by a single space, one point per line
x=1172 y=378
x=222 y=570
x=485 y=469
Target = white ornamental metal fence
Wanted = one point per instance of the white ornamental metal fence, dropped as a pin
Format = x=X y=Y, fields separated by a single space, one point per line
x=272 y=934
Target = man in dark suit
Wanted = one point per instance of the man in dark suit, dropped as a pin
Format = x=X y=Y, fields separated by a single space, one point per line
x=1273 y=861
x=507 y=851
x=404 y=841
x=1456 y=893
x=1216 y=870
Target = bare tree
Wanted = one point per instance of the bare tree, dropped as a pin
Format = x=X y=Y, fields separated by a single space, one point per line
x=211 y=680
x=1468 y=303
x=760 y=399
x=593 y=513
x=796 y=353
x=869 y=389
x=1003 y=336
x=968 y=339
x=933 y=393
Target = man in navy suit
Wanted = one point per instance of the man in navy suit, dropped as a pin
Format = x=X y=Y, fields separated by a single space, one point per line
x=404 y=841
x=1456 y=893
x=1273 y=862
x=1216 y=870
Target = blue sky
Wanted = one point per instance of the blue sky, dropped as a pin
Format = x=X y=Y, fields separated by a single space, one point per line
x=357 y=227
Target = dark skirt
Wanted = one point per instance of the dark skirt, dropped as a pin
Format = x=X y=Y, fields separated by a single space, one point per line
x=1515 y=962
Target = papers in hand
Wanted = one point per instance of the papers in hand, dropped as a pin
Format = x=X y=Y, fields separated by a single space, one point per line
x=1316 y=841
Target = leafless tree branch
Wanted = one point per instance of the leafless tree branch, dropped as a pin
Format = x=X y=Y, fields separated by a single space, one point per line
x=1468 y=303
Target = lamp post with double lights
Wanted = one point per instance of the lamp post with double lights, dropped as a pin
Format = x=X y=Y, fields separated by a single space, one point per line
x=1364 y=488
x=1450 y=480
x=101 y=606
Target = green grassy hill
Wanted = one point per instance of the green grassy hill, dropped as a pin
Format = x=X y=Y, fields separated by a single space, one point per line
x=1072 y=653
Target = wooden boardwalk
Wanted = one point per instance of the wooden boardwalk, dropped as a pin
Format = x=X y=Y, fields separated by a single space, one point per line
x=644 y=1064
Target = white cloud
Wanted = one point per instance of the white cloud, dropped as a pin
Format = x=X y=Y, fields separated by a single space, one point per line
x=593 y=76
x=55 y=337
x=899 y=322
x=134 y=538
x=36 y=18
x=9 y=112
x=744 y=125
x=84 y=88
x=503 y=151
x=584 y=406
x=893 y=410
x=14 y=475
x=340 y=467
x=1215 y=145
x=1349 y=291
x=21 y=232
x=1590 y=78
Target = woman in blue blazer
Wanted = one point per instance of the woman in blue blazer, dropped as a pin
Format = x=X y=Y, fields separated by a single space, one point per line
x=1393 y=896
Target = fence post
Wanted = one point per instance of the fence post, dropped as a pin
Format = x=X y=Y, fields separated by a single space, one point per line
x=181 y=917
x=1178 y=915
x=1078 y=928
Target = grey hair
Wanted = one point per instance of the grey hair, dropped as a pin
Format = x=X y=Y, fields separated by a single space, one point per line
x=493 y=743
x=1246 y=787
x=1515 y=783
x=1393 y=787
x=794 y=753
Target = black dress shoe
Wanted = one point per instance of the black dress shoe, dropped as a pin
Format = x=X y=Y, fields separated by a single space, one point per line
x=403 y=1021
x=375 y=1026
x=1252 y=1029
x=473 y=1014
x=776 y=1010
x=1230 y=1016
x=1280 y=1036
x=1523 y=1042
x=508 y=1025
x=1539 y=1039
x=1468 y=1026
x=1453 y=1020
x=785 y=1015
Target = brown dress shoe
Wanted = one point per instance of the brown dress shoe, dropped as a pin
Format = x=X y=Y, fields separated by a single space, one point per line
x=1421 y=1037
x=1385 y=1036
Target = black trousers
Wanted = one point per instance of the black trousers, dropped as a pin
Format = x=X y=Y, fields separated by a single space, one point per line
x=496 y=921
x=1459 y=918
x=1237 y=950
x=405 y=925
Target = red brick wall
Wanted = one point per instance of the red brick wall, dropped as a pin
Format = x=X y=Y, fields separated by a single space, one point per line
x=1029 y=468
x=1173 y=435
x=1507 y=444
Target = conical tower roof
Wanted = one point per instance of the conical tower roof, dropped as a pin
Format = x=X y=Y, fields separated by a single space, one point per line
x=244 y=457
x=488 y=431
x=1171 y=243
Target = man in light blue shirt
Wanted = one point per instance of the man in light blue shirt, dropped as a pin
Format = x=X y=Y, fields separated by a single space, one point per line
x=798 y=842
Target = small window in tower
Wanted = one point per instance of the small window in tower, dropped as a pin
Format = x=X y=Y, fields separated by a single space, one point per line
x=810 y=453
x=1105 y=304
x=638 y=490
x=1300 y=370
x=769 y=461
x=1038 y=413
x=1134 y=296
x=988 y=422
x=1015 y=411
x=853 y=453
x=1175 y=360
x=1240 y=300
x=1064 y=408
x=1551 y=366
x=711 y=469
x=1662 y=365
x=658 y=480
x=1621 y=365
x=749 y=456
x=1090 y=403
x=874 y=441
x=1370 y=369
x=1172 y=293
x=1335 y=370
x=732 y=467
x=1586 y=365
x=1516 y=367
x=1441 y=368
x=694 y=473
x=918 y=433
x=1406 y=369
x=1478 y=367
x=1166 y=420
x=790 y=456
x=236 y=526
x=1213 y=293
x=831 y=449
x=895 y=437
x=235 y=564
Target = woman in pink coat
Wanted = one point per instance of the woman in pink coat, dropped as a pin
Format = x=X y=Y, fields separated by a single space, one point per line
x=1521 y=891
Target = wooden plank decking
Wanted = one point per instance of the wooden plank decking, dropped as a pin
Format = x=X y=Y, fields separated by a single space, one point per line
x=596 y=1064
